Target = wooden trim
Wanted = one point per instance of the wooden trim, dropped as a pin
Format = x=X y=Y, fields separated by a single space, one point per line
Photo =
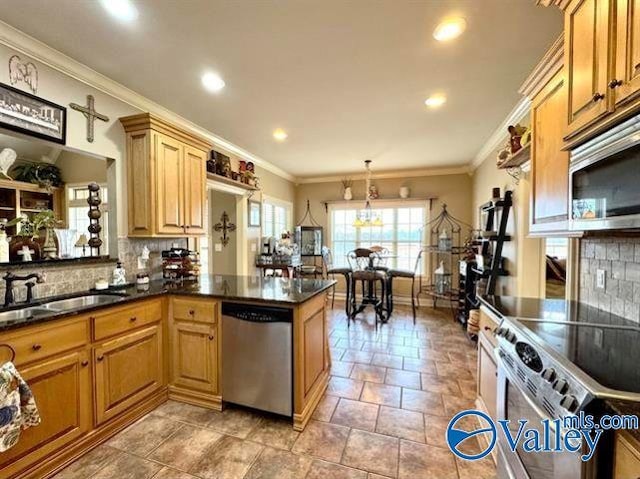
x=196 y=398
x=551 y=63
x=144 y=121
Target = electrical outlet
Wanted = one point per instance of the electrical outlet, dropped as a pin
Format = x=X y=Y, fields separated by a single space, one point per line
x=254 y=247
x=600 y=278
x=217 y=247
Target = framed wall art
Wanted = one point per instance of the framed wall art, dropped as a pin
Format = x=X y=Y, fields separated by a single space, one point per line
x=31 y=115
x=255 y=214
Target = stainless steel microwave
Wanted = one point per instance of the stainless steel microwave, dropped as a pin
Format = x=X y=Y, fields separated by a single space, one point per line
x=604 y=180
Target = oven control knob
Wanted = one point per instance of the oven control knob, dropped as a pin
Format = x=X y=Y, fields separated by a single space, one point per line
x=570 y=403
x=561 y=386
x=549 y=375
x=500 y=331
x=510 y=336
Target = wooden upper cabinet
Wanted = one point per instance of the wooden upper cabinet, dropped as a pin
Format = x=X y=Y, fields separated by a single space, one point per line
x=587 y=45
x=625 y=83
x=166 y=176
x=170 y=178
x=195 y=197
x=549 y=162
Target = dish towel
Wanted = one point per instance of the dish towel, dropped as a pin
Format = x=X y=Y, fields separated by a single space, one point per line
x=18 y=409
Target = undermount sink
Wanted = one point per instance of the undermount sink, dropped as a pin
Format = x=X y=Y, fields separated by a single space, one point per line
x=25 y=313
x=81 y=302
x=59 y=306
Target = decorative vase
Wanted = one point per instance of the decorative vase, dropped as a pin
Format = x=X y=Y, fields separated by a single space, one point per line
x=49 y=248
x=348 y=195
x=404 y=192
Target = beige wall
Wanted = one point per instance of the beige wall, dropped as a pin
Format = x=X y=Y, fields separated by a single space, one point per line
x=79 y=168
x=454 y=190
x=223 y=262
x=524 y=255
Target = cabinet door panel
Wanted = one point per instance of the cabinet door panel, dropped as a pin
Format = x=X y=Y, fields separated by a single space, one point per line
x=170 y=183
x=140 y=183
x=550 y=164
x=128 y=369
x=62 y=390
x=627 y=60
x=587 y=54
x=487 y=376
x=195 y=189
x=195 y=356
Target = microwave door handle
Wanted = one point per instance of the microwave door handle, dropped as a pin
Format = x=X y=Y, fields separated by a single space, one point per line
x=530 y=402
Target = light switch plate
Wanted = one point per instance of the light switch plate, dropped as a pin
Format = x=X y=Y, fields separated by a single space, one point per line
x=253 y=247
x=218 y=247
x=600 y=278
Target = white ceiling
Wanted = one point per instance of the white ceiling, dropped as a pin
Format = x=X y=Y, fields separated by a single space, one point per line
x=345 y=78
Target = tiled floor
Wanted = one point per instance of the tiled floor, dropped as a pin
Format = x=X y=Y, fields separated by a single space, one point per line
x=389 y=400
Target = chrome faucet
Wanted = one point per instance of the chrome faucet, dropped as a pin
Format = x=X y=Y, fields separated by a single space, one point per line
x=9 y=278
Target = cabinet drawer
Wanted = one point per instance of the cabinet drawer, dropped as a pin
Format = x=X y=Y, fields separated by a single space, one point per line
x=487 y=327
x=44 y=341
x=192 y=309
x=114 y=321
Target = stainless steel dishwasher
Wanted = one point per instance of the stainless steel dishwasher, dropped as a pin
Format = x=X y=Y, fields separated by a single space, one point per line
x=257 y=357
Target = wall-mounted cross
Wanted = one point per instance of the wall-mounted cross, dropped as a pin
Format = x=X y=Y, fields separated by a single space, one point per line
x=225 y=226
x=90 y=114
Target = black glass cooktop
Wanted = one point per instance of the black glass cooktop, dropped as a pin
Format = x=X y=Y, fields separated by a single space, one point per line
x=603 y=345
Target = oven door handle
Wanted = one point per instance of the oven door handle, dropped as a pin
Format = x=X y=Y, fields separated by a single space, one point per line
x=531 y=403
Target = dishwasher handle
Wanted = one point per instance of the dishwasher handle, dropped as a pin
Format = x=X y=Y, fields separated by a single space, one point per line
x=257 y=314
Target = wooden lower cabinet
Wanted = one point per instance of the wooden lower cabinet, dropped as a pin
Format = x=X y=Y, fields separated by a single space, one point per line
x=194 y=355
x=626 y=462
x=127 y=369
x=62 y=388
x=311 y=358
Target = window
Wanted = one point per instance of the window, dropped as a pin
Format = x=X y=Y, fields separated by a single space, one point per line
x=78 y=217
x=401 y=234
x=276 y=218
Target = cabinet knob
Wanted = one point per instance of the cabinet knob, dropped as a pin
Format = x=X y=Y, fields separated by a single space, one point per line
x=211 y=337
x=613 y=84
x=100 y=358
x=133 y=319
x=85 y=363
x=36 y=347
x=191 y=312
x=597 y=97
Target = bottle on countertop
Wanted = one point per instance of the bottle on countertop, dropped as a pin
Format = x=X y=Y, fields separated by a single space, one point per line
x=119 y=275
x=4 y=242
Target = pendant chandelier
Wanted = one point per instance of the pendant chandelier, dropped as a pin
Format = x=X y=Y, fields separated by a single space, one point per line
x=366 y=216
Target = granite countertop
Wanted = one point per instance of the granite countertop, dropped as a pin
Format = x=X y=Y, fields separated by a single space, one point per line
x=278 y=291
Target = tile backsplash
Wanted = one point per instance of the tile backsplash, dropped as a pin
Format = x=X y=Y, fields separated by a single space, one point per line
x=71 y=278
x=619 y=257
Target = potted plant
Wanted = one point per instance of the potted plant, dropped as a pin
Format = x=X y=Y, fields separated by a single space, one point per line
x=346 y=184
x=43 y=247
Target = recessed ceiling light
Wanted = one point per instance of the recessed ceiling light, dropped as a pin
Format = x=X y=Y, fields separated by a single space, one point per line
x=279 y=134
x=123 y=10
x=449 y=29
x=435 y=101
x=212 y=82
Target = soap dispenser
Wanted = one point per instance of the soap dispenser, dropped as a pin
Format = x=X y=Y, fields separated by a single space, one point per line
x=119 y=275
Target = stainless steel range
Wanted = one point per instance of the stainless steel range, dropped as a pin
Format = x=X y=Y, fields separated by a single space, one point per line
x=553 y=369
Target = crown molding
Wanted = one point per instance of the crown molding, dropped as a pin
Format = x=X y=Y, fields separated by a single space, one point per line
x=551 y=63
x=27 y=45
x=456 y=170
x=497 y=138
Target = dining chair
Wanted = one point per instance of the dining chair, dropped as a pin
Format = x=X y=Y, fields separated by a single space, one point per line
x=380 y=257
x=361 y=261
x=401 y=273
x=330 y=270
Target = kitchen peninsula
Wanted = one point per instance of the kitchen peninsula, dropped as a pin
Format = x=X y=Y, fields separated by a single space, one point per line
x=97 y=362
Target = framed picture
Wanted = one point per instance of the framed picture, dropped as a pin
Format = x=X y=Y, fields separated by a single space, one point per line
x=33 y=116
x=255 y=214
